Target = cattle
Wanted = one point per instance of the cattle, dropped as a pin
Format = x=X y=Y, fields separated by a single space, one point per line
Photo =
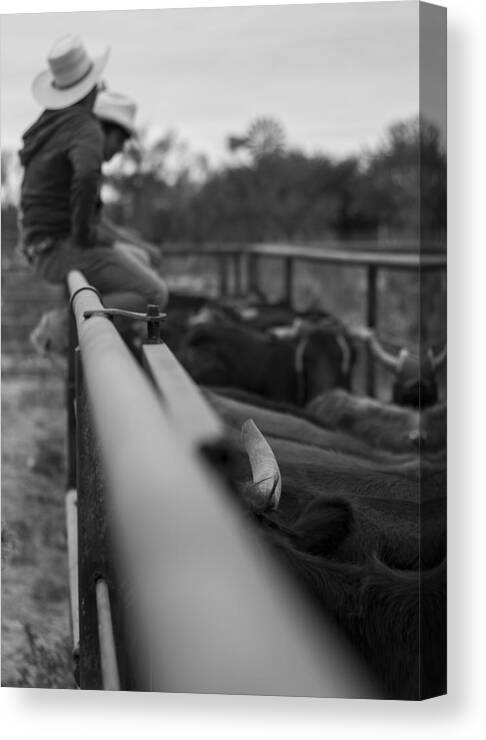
x=180 y=308
x=308 y=438
x=257 y=314
x=386 y=486
x=395 y=618
x=369 y=549
x=384 y=425
x=186 y=310
x=293 y=365
x=287 y=423
x=267 y=349
x=414 y=376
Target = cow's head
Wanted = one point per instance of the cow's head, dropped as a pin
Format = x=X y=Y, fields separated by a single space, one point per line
x=327 y=358
x=415 y=376
x=415 y=382
x=318 y=526
x=213 y=313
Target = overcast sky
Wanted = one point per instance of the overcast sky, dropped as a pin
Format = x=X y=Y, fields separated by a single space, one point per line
x=334 y=75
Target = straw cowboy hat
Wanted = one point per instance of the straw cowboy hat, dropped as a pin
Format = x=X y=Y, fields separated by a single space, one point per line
x=71 y=74
x=116 y=108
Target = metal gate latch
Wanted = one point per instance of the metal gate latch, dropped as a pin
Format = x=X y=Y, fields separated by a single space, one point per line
x=153 y=318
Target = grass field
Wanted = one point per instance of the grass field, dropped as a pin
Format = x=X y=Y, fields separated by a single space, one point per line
x=36 y=643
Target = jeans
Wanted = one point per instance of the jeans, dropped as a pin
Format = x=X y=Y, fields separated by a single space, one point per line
x=119 y=274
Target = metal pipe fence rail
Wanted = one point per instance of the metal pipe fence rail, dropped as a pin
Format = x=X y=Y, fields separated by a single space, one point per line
x=241 y=263
x=176 y=591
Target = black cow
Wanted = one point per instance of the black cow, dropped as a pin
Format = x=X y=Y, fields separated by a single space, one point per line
x=311 y=437
x=294 y=366
x=186 y=310
x=386 y=426
x=414 y=376
x=180 y=308
x=371 y=547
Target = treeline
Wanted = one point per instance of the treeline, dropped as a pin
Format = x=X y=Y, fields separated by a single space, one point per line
x=268 y=192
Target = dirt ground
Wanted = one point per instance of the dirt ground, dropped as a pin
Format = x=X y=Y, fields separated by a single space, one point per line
x=36 y=641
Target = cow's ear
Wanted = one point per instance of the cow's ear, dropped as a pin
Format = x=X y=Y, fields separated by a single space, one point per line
x=266 y=488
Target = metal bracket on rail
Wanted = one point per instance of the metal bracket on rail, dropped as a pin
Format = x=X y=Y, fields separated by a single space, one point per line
x=153 y=319
x=80 y=290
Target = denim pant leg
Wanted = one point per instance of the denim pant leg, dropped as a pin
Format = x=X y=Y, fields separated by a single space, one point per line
x=122 y=280
x=130 y=250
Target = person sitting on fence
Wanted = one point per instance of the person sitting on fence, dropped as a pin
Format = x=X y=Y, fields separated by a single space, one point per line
x=62 y=154
x=116 y=113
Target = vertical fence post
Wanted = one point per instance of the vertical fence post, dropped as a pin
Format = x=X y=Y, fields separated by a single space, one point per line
x=238 y=273
x=371 y=313
x=288 y=281
x=223 y=274
x=244 y=272
x=253 y=286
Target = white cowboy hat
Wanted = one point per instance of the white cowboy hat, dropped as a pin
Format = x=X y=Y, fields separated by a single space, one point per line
x=116 y=108
x=71 y=74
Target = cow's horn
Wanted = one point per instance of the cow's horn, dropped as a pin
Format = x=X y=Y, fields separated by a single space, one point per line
x=267 y=481
x=438 y=360
x=363 y=333
x=380 y=353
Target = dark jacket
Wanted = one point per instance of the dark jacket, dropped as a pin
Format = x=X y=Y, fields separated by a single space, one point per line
x=62 y=157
